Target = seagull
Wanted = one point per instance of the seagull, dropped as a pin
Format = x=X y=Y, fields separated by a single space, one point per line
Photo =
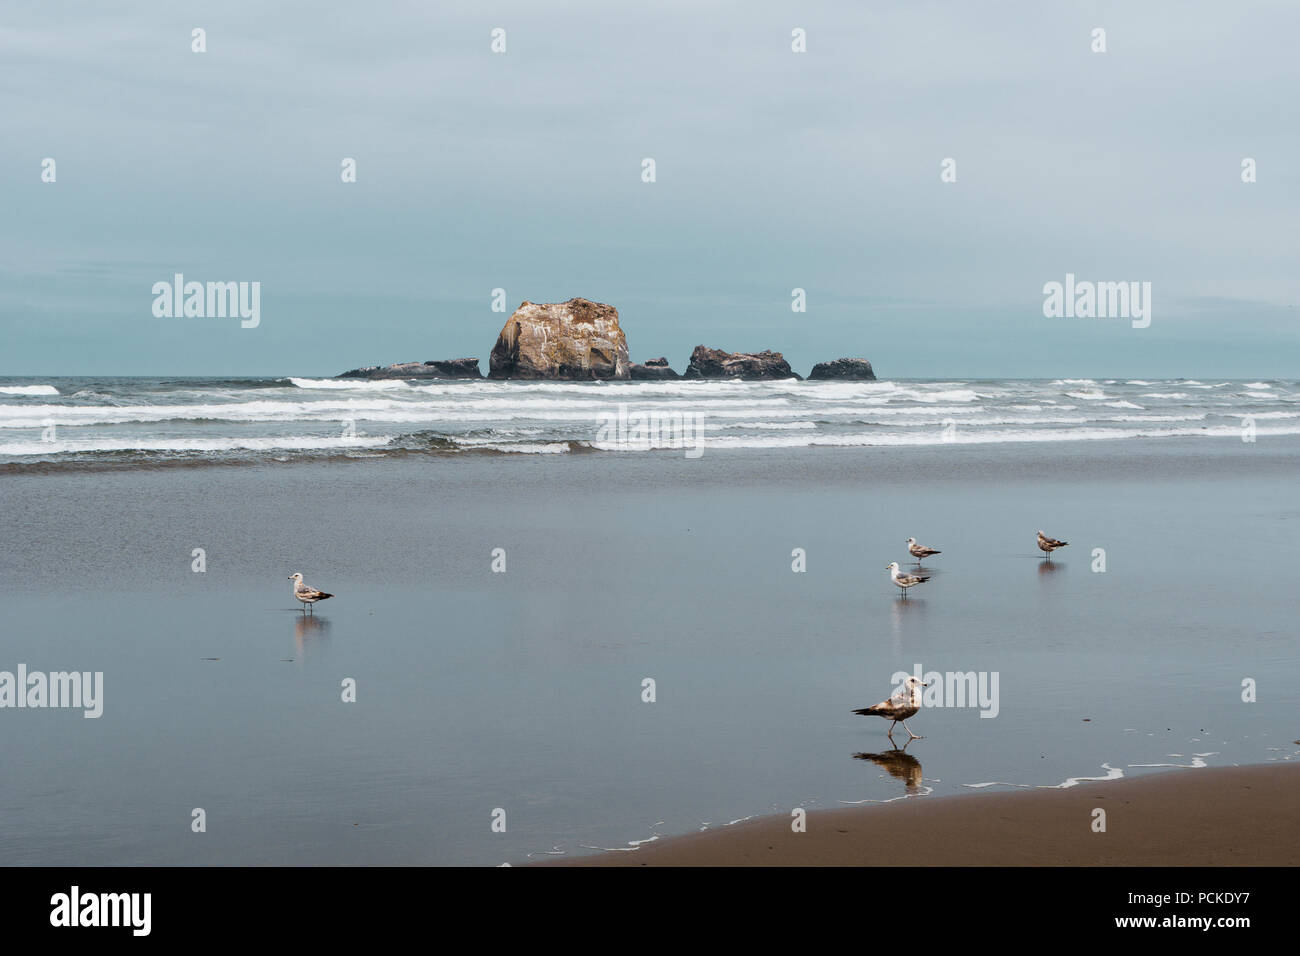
x=920 y=551
x=308 y=596
x=904 y=703
x=1048 y=545
x=905 y=581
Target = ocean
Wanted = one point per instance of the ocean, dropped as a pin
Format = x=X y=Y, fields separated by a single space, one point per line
x=505 y=589
x=54 y=421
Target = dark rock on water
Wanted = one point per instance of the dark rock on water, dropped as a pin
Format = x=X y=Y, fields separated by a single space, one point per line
x=448 y=368
x=653 y=371
x=843 y=369
x=715 y=363
x=457 y=368
x=574 y=340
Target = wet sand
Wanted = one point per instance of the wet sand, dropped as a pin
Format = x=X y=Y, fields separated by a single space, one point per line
x=1231 y=816
x=524 y=690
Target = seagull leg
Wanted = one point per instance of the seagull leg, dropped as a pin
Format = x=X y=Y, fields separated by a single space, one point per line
x=890 y=732
x=909 y=731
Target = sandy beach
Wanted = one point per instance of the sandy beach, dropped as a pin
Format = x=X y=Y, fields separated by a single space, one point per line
x=523 y=690
x=1231 y=816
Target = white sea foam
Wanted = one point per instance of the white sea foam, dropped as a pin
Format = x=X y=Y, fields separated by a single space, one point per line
x=358 y=384
x=521 y=448
x=288 y=442
x=774 y=426
x=28 y=390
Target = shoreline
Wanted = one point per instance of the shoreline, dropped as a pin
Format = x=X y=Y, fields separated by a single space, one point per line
x=685 y=573
x=1205 y=449
x=1220 y=816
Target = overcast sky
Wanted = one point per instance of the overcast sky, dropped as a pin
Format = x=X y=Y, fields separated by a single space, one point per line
x=775 y=170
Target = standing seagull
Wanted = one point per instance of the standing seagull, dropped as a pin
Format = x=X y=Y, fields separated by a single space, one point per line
x=920 y=551
x=905 y=581
x=1048 y=545
x=904 y=703
x=308 y=596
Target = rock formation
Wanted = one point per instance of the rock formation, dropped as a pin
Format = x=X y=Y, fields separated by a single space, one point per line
x=581 y=340
x=844 y=370
x=654 y=370
x=715 y=363
x=578 y=339
x=449 y=368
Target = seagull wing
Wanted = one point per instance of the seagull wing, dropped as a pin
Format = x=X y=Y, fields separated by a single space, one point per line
x=882 y=709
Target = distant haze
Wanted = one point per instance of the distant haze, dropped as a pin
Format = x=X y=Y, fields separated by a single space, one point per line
x=775 y=170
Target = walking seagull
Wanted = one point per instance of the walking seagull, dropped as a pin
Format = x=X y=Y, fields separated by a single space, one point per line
x=308 y=596
x=1048 y=545
x=905 y=581
x=920 y=551
x=904 y=703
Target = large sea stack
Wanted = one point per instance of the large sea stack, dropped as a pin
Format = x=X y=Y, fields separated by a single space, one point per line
x=574 y=340
x=715 y=363
x=843 y=370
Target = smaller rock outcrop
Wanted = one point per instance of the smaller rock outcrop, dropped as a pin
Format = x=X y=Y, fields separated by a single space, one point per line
x=844 y=370
x=653 y=371
x=447 y=368
x=715 y=363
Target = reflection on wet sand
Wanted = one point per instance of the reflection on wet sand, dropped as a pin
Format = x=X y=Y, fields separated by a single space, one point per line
x=898 y=763
x=900 y=609
x=308 y=627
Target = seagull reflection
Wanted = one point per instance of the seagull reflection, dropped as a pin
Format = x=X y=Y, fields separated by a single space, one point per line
x=1049 y=567
x=307 y=627
x=899 y=764
x=900 y=609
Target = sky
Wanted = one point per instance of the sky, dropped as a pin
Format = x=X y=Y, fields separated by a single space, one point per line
x=774 y=170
